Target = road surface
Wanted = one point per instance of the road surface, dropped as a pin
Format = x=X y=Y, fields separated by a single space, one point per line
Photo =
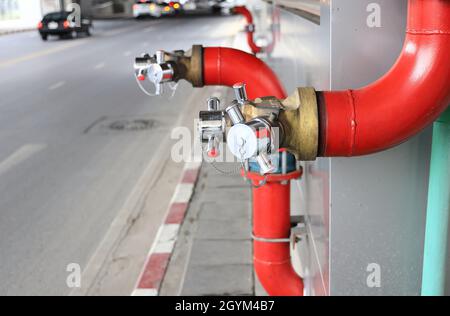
x=66 y=165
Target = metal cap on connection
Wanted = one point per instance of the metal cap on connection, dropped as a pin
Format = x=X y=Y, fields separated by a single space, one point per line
x=235 y=114
x=213 y=104
x=240 y=92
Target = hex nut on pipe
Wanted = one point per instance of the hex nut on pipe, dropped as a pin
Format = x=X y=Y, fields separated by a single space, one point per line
x=301 y=121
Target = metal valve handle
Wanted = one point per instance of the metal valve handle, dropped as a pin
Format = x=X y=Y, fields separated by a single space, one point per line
x=240 y=91
x=156 y=69
x=253 y=139
x=211 y=127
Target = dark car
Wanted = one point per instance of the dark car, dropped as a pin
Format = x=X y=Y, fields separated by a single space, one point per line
x=58 y=24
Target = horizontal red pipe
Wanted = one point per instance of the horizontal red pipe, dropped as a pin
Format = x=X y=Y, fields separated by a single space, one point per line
x=228 y=66
x=242 y=10
x=403 y=102
x=271 y=221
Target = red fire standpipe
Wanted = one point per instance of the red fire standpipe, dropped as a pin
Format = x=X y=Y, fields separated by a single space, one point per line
x=399 y=105
x=250 y=28
x=271 y=202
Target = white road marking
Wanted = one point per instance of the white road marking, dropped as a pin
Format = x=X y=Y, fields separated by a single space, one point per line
x=145 y=292
x=19 y=156
x=119 y=31
x=99 y=66
x=57 y=85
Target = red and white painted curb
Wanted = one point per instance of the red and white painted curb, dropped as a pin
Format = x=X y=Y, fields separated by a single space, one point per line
x=155 y=267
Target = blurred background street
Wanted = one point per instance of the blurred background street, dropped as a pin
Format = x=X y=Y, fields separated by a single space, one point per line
x=76 y=134
x=99 y=194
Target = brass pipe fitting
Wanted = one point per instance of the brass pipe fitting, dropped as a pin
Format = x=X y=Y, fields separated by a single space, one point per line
x=298 y=115
x=191 y=66
x=187 y=65
x=300 y=119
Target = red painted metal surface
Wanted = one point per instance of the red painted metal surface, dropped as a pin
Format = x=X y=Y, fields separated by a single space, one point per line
x=255 y=48
x=242 y=10
x=227 y=66
x=271 y=221
x=403 y=102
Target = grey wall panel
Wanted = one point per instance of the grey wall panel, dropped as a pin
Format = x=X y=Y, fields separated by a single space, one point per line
x=377 y=216
x=361 y=54
x=378 y=202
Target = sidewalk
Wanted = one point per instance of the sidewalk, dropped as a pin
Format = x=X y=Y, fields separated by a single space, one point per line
x=213 y=255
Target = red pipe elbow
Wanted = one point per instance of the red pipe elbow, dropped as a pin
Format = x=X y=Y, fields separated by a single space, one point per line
x=255 y=48
x=403 y=102
x=242 y=10
x=228 y=66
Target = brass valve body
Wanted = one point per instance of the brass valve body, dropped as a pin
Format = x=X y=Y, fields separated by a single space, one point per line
x=298 y=115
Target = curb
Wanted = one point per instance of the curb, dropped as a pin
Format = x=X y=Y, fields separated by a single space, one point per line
x=7 y=32
x=155 y=267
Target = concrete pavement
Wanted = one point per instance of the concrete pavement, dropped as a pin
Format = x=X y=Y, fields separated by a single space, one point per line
x=69 y=178
x=213 y=255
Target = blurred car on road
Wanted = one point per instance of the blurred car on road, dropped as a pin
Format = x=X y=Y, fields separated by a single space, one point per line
x=155 y=8
x=58 y=24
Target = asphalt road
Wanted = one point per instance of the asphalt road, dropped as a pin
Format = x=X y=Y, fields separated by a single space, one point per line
x=64 y=171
